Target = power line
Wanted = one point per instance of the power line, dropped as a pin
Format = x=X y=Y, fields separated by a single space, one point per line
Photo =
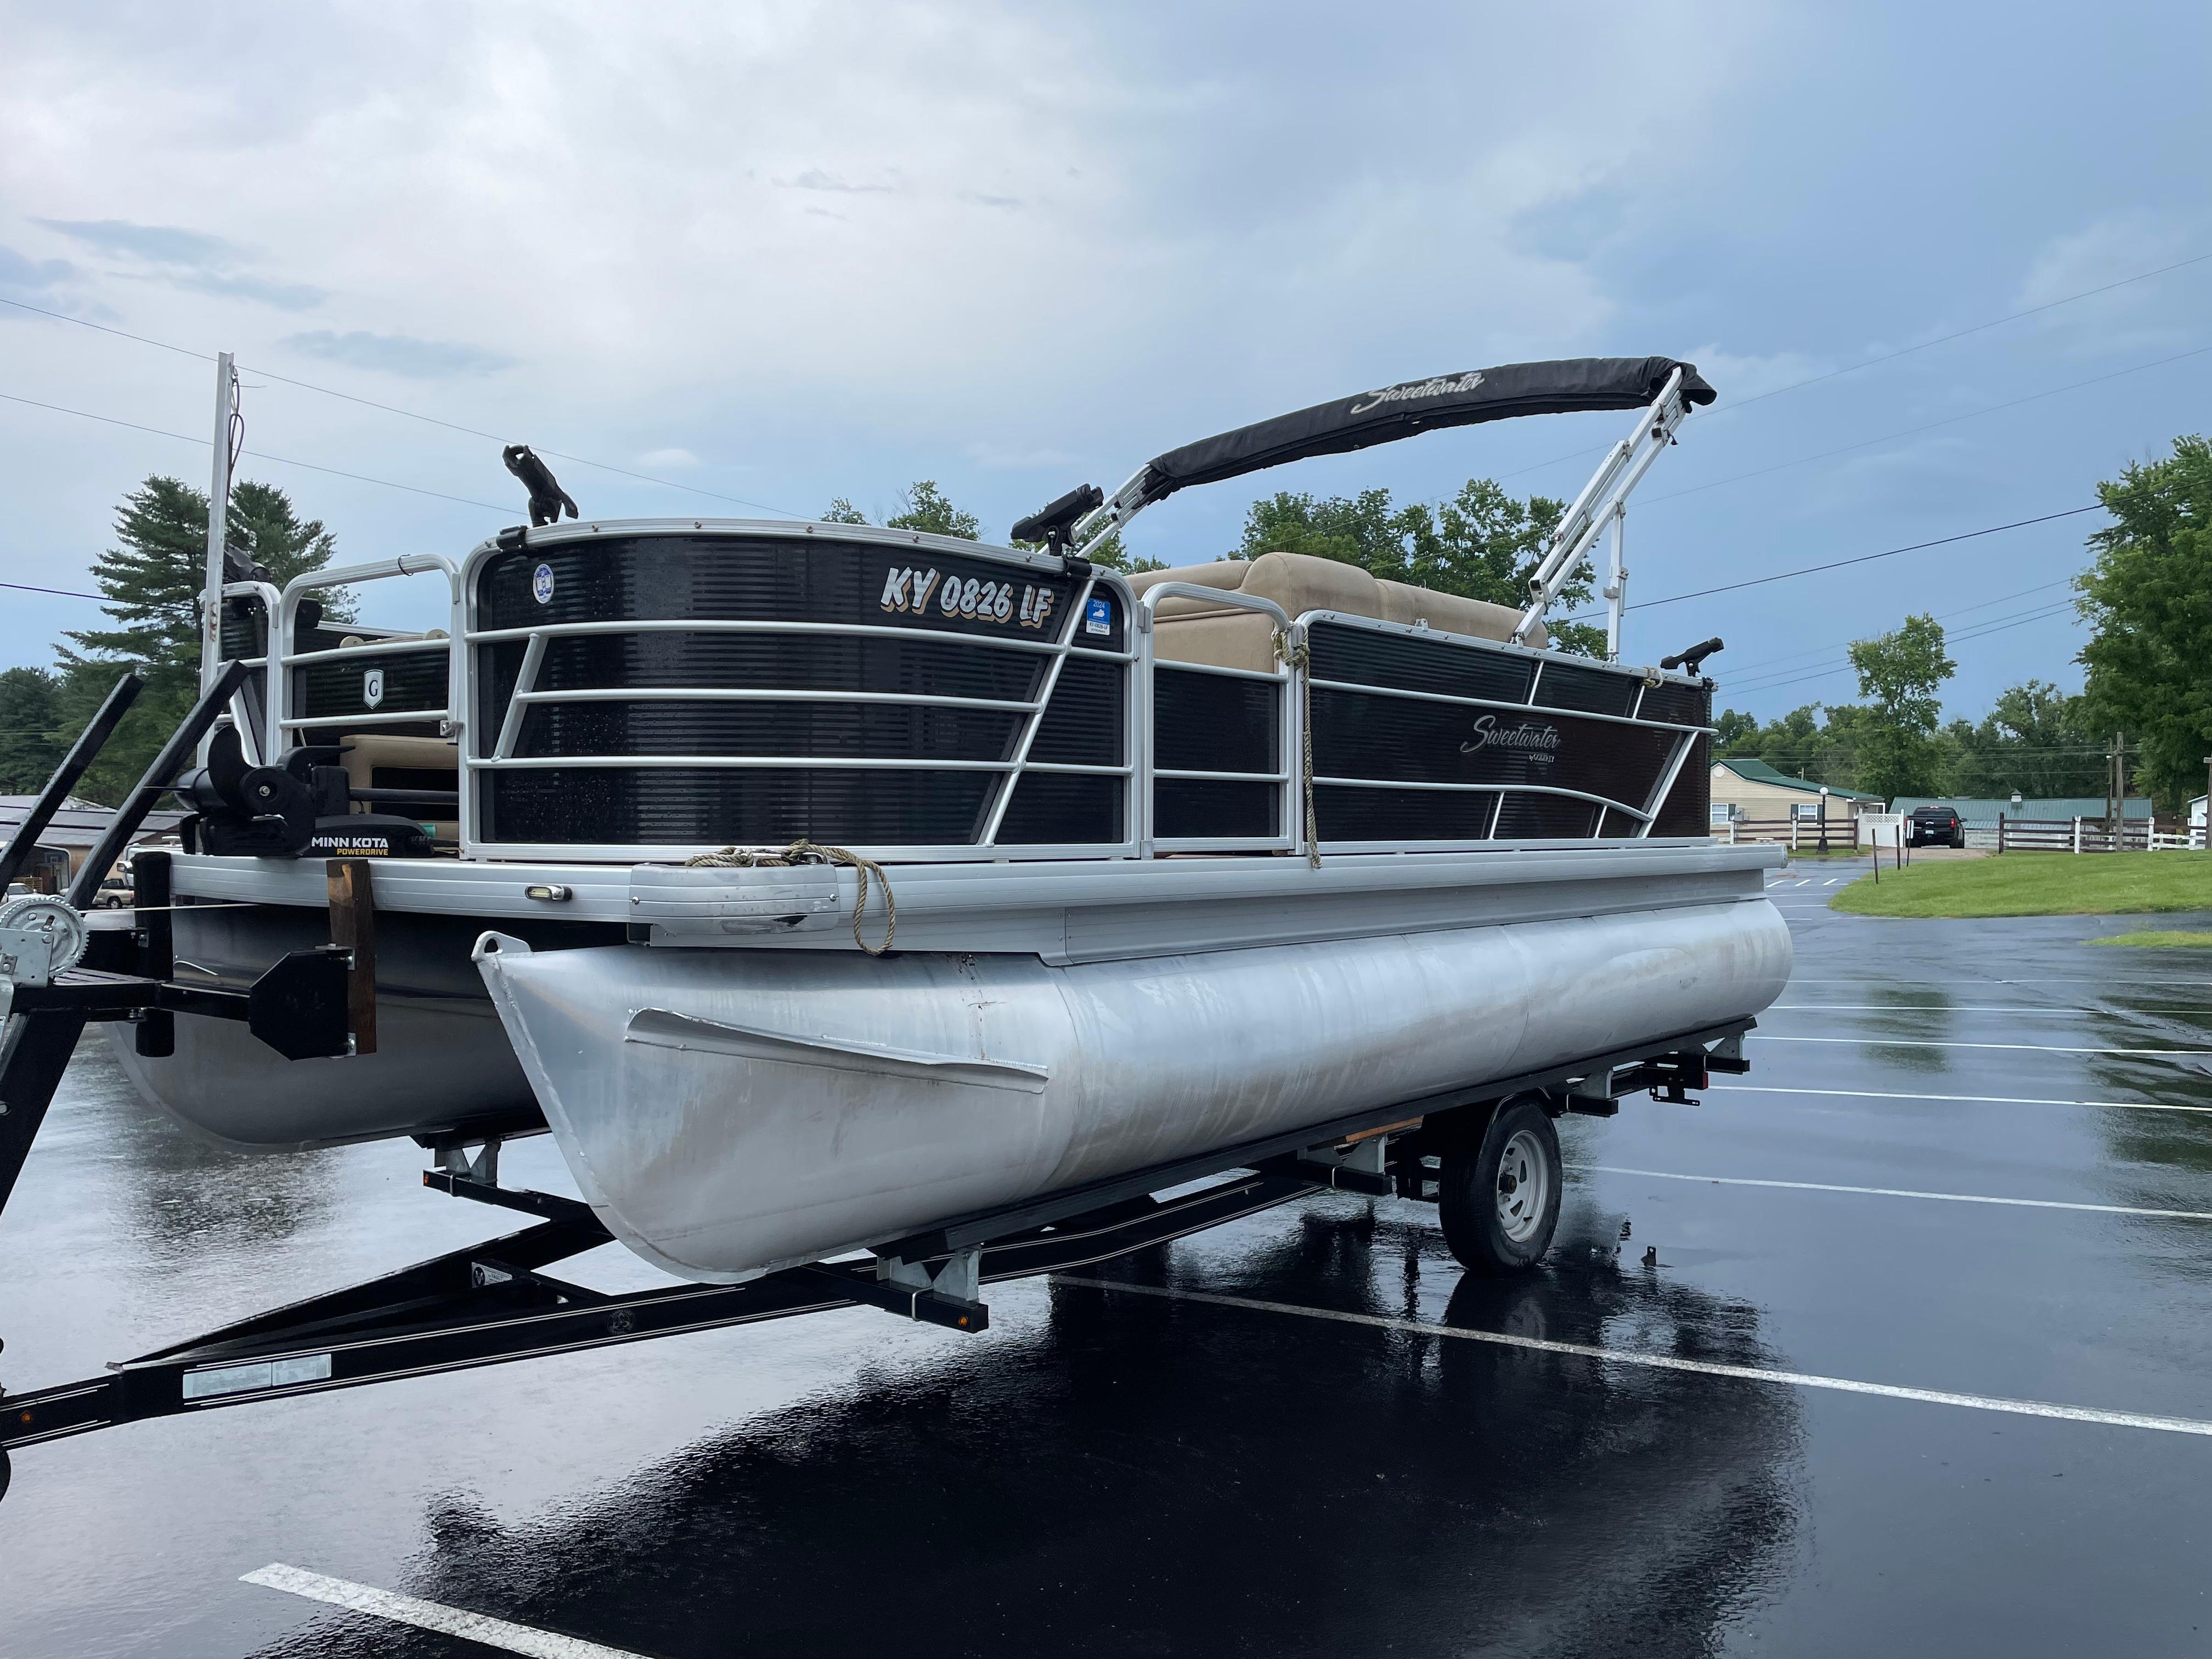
x=120 y=334
x=1889 y=356
x=1837 y=564
x=1845 y=668
x=1814 y=650
x=1747 y=680
x=66 y=593
x=409 y=414
x=1948 y=420
x=1996 y=625
x=262 y=455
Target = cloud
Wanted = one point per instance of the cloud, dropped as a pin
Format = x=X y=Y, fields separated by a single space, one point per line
x=1941 y=476
x=399 y=354
x=1009 y=203
x=2109 y=251
x=816 y=178
x=33 y=278
x=188 y=259
x=999 y=459
x=665 y=459
x=1737 y=376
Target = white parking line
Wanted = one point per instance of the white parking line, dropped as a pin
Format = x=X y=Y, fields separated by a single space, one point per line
x=1901 y=1192
x=1965 y=1008
x=2042 y=979
x=1663 y=1362
x=430 y=1615
x=1938 y=1042
x=1982 y=1100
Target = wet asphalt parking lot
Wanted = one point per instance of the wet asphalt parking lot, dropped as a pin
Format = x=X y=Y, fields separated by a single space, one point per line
x=1972 y=1426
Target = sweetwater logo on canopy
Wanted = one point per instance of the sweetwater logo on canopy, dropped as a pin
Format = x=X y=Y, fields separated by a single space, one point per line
x=1444 y=386
x=1538 y=739
x=909 y=589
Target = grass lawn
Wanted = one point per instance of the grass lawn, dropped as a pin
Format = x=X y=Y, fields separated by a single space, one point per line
x=2162 y=940
x=2037 y=884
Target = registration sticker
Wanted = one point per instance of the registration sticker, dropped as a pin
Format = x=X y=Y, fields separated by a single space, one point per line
x=1098 y=616
x=541 y=584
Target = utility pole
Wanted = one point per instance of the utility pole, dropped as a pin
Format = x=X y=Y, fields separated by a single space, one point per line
x=226 y=406
x=2115 y=791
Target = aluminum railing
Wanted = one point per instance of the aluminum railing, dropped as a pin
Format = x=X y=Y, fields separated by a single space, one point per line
x=528 y=695
x=1289 y=820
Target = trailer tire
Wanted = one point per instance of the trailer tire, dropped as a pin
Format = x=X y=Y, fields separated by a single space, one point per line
x=1499 y=1200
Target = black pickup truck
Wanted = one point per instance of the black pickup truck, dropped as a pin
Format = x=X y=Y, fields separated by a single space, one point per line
x=1937 y=826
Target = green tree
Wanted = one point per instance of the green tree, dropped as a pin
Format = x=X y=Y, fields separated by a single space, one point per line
x=2035 y=740
x=1903 y=674
x=924 y=507
x=151 y=581
x=1818 y=742
x=1481 y=544
x=2148 y=598
x=30 y=712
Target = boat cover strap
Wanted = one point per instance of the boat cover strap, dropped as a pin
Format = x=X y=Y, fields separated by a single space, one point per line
x=1398 y=411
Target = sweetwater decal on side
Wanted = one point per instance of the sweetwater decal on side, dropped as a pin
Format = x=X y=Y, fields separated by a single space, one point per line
x=1538 y=739
x=1442 y=386
x=907 y=590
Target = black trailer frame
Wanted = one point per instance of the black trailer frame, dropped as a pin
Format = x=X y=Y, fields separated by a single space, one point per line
x=491 y=1302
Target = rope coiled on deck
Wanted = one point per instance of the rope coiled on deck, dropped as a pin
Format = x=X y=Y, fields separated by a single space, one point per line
x=806 y=852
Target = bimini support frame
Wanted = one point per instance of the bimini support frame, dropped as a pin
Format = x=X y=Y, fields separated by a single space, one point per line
x=1603 y=505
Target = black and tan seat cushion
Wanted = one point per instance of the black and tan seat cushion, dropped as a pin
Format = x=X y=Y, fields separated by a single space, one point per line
x=1195 y=630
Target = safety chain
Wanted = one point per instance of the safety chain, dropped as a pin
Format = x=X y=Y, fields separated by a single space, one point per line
x=1299 y=657
x=806 y=852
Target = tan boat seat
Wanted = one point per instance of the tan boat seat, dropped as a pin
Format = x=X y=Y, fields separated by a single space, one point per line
x=1195 y=630
x=377 y=760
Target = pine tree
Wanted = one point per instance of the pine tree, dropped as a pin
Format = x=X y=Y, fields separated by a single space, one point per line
x=152 y=583
x=30 y=710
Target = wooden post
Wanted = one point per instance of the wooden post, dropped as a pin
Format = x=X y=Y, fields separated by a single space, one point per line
x=2000 y=833
x=353 y=924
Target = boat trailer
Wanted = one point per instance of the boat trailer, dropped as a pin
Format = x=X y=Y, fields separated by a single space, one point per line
x=493 y=1302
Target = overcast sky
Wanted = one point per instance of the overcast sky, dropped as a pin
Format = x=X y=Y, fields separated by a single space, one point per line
x=786 y=253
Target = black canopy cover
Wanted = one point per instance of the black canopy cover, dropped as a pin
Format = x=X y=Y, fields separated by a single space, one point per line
x=1413 y=406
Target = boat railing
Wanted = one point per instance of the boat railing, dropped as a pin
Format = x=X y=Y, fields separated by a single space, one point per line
x=1288 y=833
x=309 y=689
x=249 y=705
x=492 y=752
x=1635 y=817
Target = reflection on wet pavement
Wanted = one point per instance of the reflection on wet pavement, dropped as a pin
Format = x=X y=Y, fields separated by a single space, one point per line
x=1110 y=1472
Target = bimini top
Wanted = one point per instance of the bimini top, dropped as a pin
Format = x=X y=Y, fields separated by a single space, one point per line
x=1414 y=406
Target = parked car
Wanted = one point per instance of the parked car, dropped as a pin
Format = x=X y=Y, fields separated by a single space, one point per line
x=115 y=894
x=1937 y=826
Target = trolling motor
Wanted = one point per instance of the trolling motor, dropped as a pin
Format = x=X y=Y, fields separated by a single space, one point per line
x=299 y=806
x=1689 y=661
x=547 y=498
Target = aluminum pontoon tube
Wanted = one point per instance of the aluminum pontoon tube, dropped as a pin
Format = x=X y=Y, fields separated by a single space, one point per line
x=728 y=1112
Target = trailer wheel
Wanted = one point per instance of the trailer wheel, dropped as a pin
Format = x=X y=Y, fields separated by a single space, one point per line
x=1499 y=1201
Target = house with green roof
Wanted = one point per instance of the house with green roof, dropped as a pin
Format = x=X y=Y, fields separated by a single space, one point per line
x=1753 y=789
